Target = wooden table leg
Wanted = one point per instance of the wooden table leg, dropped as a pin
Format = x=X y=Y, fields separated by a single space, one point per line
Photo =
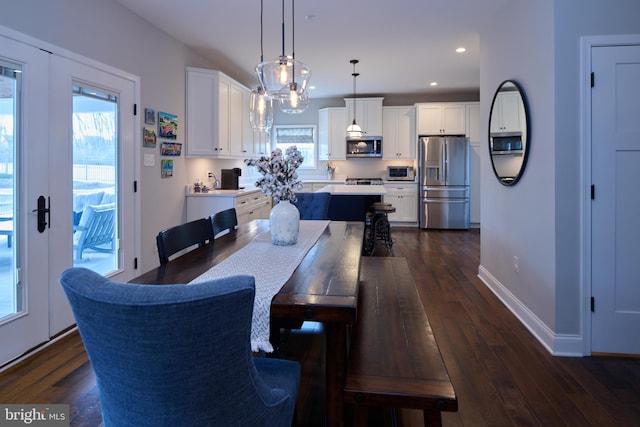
x=432 y=418
x=336 y=372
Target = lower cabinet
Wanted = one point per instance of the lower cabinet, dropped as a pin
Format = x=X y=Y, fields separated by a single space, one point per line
x=313 y=186
x=249 y=206
x=252 y=206
x=404 y=197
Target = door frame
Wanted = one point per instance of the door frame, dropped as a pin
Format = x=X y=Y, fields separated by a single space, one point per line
x=587 y=43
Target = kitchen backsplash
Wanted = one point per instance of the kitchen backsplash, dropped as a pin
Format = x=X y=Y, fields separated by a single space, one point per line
x=360 y=168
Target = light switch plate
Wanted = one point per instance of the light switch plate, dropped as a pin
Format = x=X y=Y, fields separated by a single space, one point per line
x=149 y=160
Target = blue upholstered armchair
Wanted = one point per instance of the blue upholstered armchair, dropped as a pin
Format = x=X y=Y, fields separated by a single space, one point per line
x=313 y=205
x=178 y=355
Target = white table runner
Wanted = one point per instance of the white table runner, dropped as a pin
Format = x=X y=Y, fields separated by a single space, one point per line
x=271 y=266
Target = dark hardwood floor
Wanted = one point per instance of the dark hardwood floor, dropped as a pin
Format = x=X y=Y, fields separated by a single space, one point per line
x=502 y=375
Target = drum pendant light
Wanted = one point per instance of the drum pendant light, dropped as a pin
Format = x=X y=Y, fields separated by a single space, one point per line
x=353 y=130
x=285 y=79
x=260 y=103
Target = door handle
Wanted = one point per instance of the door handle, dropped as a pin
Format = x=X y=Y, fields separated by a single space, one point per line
x=42 y=211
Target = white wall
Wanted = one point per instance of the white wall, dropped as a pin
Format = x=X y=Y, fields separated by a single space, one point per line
x=538 y=44
x=597 y=17
x=106 y=32
x=519 y=220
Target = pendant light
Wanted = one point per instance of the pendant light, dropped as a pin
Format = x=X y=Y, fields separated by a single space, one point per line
x=260 y=103
x=353 y=130
x=285 y=78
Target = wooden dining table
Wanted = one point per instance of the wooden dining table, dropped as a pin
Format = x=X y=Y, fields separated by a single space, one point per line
x=323 y=288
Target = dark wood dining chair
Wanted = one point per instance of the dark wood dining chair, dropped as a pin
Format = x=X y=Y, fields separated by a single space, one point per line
x=224 y=220
x=183 y=236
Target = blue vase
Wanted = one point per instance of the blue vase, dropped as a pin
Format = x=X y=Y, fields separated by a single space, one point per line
x=285 y=223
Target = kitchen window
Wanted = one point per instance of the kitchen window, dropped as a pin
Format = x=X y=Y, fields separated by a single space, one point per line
x=302 y=136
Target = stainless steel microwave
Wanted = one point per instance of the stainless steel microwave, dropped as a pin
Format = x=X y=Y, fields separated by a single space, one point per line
x=400 y=173
x=368 y=146
x=506 y=143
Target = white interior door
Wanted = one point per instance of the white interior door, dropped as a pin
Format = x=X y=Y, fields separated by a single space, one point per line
x=615 y=321
x=67 y=137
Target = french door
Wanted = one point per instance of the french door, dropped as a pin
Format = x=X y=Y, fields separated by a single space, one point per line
x=67 y=174
x=24 y=305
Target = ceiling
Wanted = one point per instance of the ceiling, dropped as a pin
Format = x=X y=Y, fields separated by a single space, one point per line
x=402 y=45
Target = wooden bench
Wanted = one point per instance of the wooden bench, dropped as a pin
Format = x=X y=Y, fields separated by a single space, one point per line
x=394 y=360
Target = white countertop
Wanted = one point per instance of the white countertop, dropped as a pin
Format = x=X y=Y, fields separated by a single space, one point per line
x=353 y=190
x=191 y=193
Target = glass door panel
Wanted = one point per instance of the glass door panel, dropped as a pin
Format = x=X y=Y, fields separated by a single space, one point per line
x=95 y=143
x=10 y=81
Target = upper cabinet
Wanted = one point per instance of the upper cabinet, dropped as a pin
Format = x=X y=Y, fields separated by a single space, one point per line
x=398 y=133
x=217 y=115
x=242 y=143
x=473 y=122
x=368 y=114
x=332 y=134
x=508 y=113
x=441 y=118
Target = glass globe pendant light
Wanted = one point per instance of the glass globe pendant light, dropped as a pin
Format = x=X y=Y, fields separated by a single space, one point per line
x=353 y=130
x=285 y=79
x=260 y=103
x=260 y=110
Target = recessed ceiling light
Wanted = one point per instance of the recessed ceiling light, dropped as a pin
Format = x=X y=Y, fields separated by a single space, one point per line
x=312 y=87
x=310 y=17
x=433 y=84
x=461 y=49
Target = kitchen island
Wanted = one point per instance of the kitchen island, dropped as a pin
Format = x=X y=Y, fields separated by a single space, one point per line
x=350 y=202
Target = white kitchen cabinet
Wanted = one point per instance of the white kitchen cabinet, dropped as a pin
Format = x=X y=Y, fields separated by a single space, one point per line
x=441 y=118
x=332 y=134
x=261 y=144
x=252 y=206
x=404 y=197
x=313 y=186
x=243 y=143
x=216 y=109
x=368 y=115
x=249 y=205
x=507 y=113
x=307 y=187
x=473 y=131
x=398 y=133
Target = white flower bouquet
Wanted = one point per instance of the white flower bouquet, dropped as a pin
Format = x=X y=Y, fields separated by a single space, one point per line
x=280 y=176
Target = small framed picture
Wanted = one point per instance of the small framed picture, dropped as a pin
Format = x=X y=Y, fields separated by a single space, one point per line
x=170 y=149
x=150 y=116
x=149 y=137
x=167 y=125
x=166 y=170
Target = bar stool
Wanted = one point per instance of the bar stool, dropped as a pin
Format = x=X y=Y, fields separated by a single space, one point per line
x=378 y=229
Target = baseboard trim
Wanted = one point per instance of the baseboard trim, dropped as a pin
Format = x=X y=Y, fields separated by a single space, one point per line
x=556 y=344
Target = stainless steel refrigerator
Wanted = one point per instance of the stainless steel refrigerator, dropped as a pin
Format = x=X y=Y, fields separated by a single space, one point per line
x=443 y=170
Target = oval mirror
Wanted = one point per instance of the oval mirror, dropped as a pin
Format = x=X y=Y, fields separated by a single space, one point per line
x=509 y=133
